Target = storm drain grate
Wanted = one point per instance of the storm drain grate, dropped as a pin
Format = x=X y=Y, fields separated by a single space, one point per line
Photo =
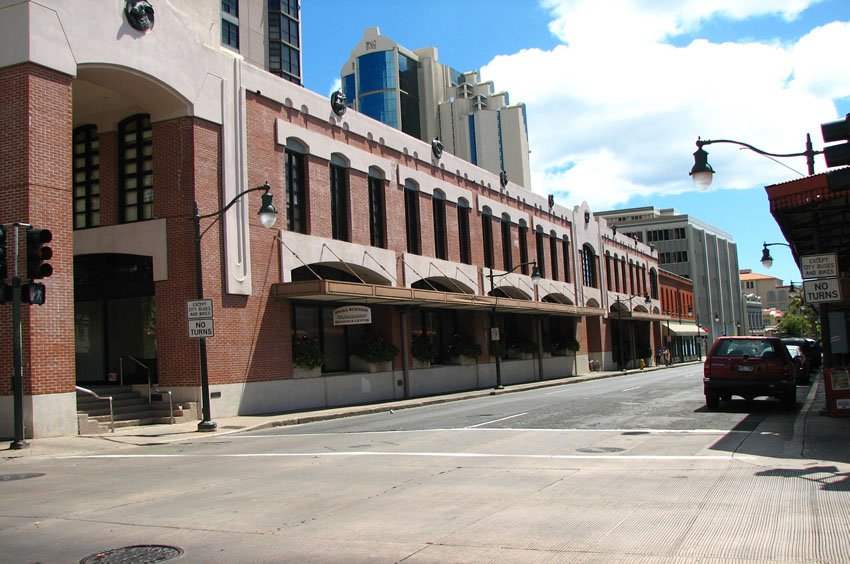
x=12 y=477
x=138 y=554
x=599 y=450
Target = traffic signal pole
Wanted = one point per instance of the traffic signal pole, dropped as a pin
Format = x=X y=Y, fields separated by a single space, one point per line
x=19 y=441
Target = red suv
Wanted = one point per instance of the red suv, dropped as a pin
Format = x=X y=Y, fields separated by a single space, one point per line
x=749 y=367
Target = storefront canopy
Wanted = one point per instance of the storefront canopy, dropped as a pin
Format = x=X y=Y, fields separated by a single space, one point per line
x=359 y=293
x=681 y=329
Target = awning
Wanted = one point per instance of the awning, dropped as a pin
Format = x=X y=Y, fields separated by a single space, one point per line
x=359 y=293
x=682 y=329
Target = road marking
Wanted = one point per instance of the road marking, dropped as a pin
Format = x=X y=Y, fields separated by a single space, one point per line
x=496 y=420
x=506 y=429
x=630 y=389
x=619 y=457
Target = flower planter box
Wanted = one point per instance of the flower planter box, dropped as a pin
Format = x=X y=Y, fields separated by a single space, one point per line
x=357 y=364
x=307 y=372
x=463 y=360
x=419 y=364
x=514 y=354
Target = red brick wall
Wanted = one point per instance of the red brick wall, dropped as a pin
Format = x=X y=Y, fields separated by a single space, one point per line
x=35 y=188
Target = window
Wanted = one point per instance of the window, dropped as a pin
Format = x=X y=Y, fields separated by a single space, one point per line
x=439 y=207
x=553 y=254
x=507 y=254
x=566 y=245
x=296 y=193
x=588 y=266
x=377 y=211
x=86 y=177
x=230 y=23
x=317 y=321
x=487 y=236
x=463 y=211
x=439 y=326
x=541 y=253
x=523 y=246
x=608 y=270
x=339 y=200
x=284 y=33
x=135 y=163
x=411 y=218
x=408 y=82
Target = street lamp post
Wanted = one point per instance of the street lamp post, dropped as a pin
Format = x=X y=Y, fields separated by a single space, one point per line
x=702 y=172
x=766 y=259
x=268 y=216
x=494 y=335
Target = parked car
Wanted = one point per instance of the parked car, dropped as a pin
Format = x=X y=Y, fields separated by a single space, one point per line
x=810 y=348
x=802 y=361
x=749 y=367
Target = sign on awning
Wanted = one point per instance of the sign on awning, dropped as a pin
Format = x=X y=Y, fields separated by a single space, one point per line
x=352 y=315
x=822 y=291
x=819 y=266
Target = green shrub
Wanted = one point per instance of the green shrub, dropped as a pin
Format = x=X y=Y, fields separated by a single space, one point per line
x=306 y=352
x=423 y=348
x=464 y=345
x=375 y=349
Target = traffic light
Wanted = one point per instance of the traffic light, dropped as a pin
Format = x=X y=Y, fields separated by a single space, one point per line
x=836 y=155
x=5 y=292
x=4 y=271
x=38 y=253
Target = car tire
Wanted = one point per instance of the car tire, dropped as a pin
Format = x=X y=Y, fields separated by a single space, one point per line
x=712 y=401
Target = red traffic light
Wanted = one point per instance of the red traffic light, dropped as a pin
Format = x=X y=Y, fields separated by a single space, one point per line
x=37 y=253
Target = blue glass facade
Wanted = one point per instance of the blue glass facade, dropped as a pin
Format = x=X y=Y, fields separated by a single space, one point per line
x=349 y=89
x=381 y=106
x=376 y=71
x=473 y=151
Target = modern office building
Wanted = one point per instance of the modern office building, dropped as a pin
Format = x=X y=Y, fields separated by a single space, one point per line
x=149 y=170
x=413 y=92
x=695 y=250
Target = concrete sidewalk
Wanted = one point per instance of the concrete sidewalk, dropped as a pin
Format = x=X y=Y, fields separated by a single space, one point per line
x=816 y=435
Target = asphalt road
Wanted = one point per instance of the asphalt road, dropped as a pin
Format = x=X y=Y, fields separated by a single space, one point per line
x=626 y=469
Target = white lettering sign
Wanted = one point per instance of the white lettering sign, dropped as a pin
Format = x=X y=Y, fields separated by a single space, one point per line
x=819 y=266
x=200 y=309
x=201 y=328
x=352 y=315
x=822 y=291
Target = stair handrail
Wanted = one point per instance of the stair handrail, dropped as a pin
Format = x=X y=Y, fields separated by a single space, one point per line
x=140 y=363
x=109 y=398
x=170 y=408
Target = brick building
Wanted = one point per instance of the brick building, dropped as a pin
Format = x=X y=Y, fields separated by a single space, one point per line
x=111 y=140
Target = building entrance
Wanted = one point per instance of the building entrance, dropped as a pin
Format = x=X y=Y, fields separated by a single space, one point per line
x=114 y=319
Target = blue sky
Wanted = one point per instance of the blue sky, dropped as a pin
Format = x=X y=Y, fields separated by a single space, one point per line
x=618 y=91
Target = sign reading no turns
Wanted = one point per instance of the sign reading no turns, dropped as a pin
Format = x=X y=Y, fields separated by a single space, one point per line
x=200 y=316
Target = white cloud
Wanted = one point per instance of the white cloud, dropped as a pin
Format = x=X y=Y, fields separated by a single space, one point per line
x=614 y=111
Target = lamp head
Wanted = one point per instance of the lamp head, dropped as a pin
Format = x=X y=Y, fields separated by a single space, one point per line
x=702 y=173
x=267 y=213
x=535 y=273
x=766 y=259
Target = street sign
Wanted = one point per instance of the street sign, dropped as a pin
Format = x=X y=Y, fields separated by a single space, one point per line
x=819 y=266
x=822 y=291
x=352 y=315
x=200 y=309
x=201 y=328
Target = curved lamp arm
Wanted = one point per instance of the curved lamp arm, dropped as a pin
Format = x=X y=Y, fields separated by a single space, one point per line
x=702 y=173
x=266 y=206
x=766 y=259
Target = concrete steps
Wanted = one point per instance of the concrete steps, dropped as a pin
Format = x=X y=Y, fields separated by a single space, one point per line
x=130 y=409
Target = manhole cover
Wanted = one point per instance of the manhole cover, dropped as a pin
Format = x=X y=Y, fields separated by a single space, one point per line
x=600 y=450
x=138 y=554
x=11 y=477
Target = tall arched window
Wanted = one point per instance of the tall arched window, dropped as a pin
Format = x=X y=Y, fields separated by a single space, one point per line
x=86 y=177
x=377 y=209
x=439 y=209
x=507 y=243
x=553 y=254
x=339 y=198
x=616 y=266
x=523 y=245
x=463 y=211
x=588 y=266
x=567 y=253
x=411 y=217
x=541 y=252
x=608 y=270
x=296 y=190
x=487 y=236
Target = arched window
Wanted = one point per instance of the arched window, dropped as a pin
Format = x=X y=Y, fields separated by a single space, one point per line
x=567 y=253
x=617 y=273
x=523 y=245
x=377 y=208
x=86 y=177
x=339 y=198
x=507 y=243
x=296 y=191
x=608 y=270
x=411 y=217
x=588 y=266
x=541 y=252
x=439 y=209
x=553 y=254
x=487 y=236
x=463 y=211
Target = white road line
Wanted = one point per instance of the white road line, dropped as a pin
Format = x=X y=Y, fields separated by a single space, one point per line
x=507 y=429
x=630 y=389
x=496 y=420
x=730 y=456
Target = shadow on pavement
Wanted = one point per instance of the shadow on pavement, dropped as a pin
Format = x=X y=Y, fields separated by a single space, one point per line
x=829 y=477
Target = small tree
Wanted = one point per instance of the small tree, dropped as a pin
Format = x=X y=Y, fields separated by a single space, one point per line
x=306 y=352
x=463 y=344
x=375 y=349
x=423 y=348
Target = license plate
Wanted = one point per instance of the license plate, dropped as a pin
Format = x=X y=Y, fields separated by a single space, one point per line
x=745 y=368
